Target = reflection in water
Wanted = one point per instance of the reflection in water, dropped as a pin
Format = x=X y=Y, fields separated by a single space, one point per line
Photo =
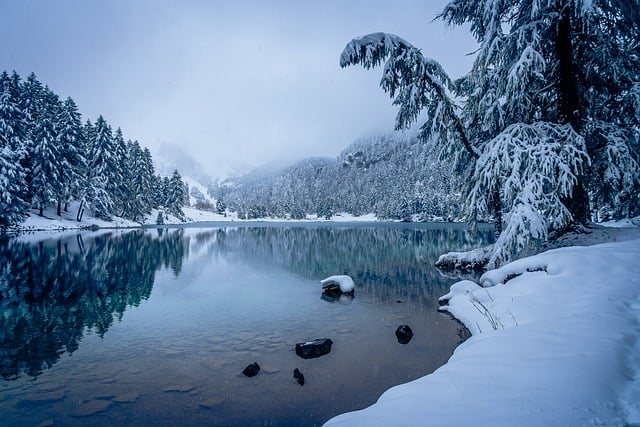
x=378 y=258
x=51 y=292
x=217 y=300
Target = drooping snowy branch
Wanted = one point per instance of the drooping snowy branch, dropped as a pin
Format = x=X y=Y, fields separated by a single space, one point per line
x=415 y=82
x=537 y=166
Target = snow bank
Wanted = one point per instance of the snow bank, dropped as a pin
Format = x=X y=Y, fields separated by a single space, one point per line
x=556 y=345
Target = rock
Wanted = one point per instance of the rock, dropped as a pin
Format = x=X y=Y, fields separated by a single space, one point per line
x=251 y=370
x=91 y=407
x=313 y=349
x=404 y=334
x=333 y=285
x=298 y=376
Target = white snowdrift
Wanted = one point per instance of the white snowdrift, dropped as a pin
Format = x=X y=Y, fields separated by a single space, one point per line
x=556 y=345
x=344 y=282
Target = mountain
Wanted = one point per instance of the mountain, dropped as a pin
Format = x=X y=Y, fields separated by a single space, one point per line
x=393 y=176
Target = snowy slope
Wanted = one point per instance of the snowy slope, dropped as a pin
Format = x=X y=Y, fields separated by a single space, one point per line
x=557 y=345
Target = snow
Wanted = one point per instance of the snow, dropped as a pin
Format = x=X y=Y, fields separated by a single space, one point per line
x=345 y=283
x=555 y=342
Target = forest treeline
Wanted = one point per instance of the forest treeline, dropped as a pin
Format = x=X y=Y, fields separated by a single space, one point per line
x=393 y=176
x=48 y=157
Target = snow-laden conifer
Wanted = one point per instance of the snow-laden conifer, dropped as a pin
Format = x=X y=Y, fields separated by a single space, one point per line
x=539 y=66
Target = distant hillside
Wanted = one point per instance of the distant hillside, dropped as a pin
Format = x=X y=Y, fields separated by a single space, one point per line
x=393 y=177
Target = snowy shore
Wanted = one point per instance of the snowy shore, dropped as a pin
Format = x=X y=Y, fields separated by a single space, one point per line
x=556 y=342
x=50 y=222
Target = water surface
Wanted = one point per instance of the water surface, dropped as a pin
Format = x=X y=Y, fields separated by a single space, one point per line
x=156 y=326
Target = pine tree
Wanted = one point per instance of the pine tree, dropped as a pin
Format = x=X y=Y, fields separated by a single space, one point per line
x=12 y=175
x=533 y=93
x=175 y=195
x=46 y=159
x=102 y=169
x=121 y=177
x=71 y=143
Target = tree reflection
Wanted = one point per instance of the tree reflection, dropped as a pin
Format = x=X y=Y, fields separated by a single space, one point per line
x=53 y=291
x=384 y=261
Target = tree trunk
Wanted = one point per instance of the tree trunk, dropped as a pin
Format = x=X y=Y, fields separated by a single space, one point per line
x=58 y=211
x=80 y=211
x=569 y=106
x=496 y=207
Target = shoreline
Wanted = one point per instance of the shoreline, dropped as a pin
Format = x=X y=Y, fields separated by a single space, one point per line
x=542 y=345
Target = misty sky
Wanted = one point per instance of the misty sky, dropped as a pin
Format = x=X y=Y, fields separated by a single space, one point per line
x=248 y=81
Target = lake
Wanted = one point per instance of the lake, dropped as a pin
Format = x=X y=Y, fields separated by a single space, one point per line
x=155 y=326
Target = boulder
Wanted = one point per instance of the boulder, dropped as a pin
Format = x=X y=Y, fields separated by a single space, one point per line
x=404 y=334
x=341 y=284
x=251 y=370
x=313 y=349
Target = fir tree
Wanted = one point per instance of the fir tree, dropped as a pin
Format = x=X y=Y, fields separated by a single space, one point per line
x=175 y=195
x=12 y=176
x=533 y=92
x=46 y=159
x=102 y=169
x=71 y=143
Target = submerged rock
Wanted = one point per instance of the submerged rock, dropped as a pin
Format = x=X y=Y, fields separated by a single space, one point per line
x=404 y=334
x=299 y=377
x=313 y=349
x=251 y=370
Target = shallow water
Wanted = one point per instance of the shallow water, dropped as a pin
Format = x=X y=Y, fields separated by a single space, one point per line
x=156 y=326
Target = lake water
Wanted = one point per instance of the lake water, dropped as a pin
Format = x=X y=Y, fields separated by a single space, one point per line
x=155 y=326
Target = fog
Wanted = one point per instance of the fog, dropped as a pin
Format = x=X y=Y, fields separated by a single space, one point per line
x=232 y=83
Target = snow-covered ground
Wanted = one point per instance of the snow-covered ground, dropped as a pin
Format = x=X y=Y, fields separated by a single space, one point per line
x=556 y=342
x=67 y=221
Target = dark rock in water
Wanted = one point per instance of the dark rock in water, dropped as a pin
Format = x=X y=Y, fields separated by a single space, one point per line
x=298 y=376
x=342 y=298
x=332 y=290
x=313 y=349
x=251 y=370
x=404 y=334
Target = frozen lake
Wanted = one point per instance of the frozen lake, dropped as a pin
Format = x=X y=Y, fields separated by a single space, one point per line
x=156 y=326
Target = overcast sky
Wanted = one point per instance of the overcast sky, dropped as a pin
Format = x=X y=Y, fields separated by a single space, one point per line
x=250 y=81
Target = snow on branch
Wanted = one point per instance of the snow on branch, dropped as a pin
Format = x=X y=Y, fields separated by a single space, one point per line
x=415 y=82
x=537 y=166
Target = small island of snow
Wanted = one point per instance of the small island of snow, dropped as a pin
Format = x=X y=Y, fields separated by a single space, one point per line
x=331 y=283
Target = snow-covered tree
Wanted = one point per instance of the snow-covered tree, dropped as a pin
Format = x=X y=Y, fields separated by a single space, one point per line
x=46 y=159
x=538 y=87
x=12 y=176
x=71 y=144
x=102 y=169
x=175 y=195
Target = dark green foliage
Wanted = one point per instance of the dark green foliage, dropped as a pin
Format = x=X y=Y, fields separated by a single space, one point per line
x=47 y=156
